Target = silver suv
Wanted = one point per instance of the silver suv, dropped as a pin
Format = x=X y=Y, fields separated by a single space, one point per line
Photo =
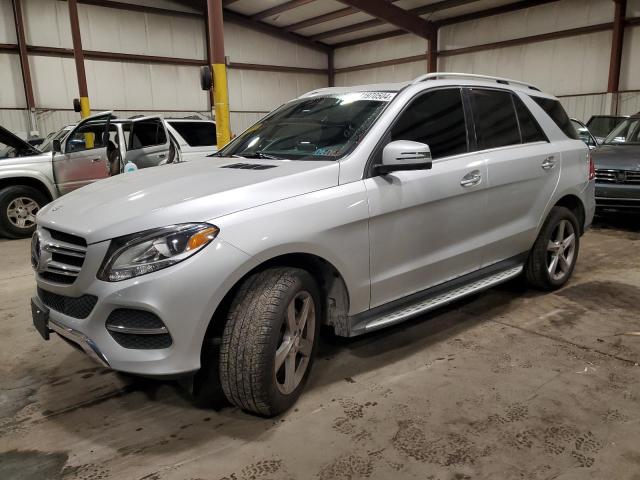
x=356 y=208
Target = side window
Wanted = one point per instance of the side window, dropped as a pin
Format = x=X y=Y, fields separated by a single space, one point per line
x=554 y=109
x=494 y=118
x=146 y=133
x=529 y=127
x=87 y=137
x=196 y=134
x=437 y=119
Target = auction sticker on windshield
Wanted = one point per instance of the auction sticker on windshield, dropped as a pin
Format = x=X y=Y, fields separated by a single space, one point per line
x=376 y=96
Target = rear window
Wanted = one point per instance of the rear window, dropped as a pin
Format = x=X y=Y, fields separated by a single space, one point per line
x=529 y=127
x=196 y=134
x=495 y=119
x=554 y=109
x=147 y=133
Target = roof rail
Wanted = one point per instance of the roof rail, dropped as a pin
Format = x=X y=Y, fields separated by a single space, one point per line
x=472 y=76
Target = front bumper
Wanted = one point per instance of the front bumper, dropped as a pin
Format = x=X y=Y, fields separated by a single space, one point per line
x=184 y=296
x=624 y=197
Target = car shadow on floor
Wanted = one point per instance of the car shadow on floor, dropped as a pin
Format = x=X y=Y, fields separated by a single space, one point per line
x=164 y=407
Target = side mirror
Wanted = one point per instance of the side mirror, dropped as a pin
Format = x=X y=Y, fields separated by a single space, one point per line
x=56 y=147
x=404 y=155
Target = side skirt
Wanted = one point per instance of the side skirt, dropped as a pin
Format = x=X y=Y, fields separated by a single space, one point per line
x=408 y=307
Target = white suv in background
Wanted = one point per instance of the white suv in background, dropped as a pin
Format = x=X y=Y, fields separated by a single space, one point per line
x=355 y=207
x=195 y=137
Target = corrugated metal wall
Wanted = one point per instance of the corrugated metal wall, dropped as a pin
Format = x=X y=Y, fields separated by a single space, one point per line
x=569 y=67
x=138 y=87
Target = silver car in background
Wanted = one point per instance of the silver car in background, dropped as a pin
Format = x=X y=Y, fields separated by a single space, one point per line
x=354 y=207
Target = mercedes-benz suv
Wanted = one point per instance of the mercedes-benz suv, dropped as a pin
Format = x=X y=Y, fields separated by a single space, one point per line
x=355 y=207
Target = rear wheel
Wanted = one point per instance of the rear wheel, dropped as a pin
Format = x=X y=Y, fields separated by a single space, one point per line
x=269 y=340
x=19 y=205
x=554 y=254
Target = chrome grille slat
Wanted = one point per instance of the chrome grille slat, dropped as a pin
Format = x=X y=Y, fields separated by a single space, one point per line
x=65 y=268
x=63 y=251
x=67 y=246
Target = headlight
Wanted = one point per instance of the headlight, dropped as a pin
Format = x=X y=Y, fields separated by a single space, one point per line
x=146 y=252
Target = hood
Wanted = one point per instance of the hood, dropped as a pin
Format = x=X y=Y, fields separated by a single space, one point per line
x=196 y=191
x=617 y=157
x=23 y=147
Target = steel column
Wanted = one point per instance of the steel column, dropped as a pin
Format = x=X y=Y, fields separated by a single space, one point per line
x=78 y=55
x=219 y=92
x=26 y=70
x=617 y=40
x=331 y=70
x=432 y=53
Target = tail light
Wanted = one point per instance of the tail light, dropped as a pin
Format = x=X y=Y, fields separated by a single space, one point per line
x=592 y=168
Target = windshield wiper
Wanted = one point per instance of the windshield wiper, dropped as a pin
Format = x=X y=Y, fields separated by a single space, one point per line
x=261 y=155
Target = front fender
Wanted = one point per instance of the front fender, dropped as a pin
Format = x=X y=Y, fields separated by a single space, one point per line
x=40 y=177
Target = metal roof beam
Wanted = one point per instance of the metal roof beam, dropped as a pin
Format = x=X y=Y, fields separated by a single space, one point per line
x=389 y=13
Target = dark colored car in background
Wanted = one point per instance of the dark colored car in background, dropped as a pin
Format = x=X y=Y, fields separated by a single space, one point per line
x=617 y=163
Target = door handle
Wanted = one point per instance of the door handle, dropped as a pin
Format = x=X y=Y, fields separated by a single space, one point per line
x=96 y=159
x=548 y=163
x=162 y=155
x=471 y=179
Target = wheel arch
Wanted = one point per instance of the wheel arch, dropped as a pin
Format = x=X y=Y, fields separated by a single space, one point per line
x=576 y=206
x=29 y=181
x=333 y=290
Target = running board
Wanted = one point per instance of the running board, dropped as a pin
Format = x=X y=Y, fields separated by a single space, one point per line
x=434 y=301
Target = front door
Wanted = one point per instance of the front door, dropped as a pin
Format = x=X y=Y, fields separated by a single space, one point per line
x=84 y=154
x=425 y=225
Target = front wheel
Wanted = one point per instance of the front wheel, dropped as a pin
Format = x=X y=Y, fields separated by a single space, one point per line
x=19 y=205
x=269 y=340
x=555 y=252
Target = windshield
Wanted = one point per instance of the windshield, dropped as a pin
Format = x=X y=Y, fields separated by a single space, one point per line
x=48 y=141
x=627 y=133
x=318 y=128
x=601 y=126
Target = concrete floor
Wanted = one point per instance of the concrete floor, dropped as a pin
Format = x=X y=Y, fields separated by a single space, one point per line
x=510 y=384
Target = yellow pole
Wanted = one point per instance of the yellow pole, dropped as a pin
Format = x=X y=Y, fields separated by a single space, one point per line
x=219 y=92
x=85 y=109
x=220 y=100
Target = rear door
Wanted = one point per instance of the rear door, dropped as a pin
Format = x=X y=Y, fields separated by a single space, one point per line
x=148 y=142
x=84 y=156
x=523 y=167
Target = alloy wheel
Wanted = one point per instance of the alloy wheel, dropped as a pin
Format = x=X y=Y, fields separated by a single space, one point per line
x=296 y=343
x=22 y=212
x=561 y=250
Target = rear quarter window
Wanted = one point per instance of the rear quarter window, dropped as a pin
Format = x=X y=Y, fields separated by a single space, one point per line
x=554 y=109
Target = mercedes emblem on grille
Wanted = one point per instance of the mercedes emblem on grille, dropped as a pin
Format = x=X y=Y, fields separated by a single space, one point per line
x=40 y=257
x=621 y=176
x=35 y=250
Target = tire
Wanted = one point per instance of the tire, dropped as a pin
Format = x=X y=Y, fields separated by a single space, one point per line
x=257 y=328
x=541 y=271
x=19 y=205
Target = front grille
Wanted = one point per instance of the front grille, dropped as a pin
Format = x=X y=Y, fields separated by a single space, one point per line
x=58 y=256
x=79 y=307
x=138 y=329
x=627 y=177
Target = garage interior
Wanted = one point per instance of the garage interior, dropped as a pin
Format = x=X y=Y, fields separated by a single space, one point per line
x=510 y=383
